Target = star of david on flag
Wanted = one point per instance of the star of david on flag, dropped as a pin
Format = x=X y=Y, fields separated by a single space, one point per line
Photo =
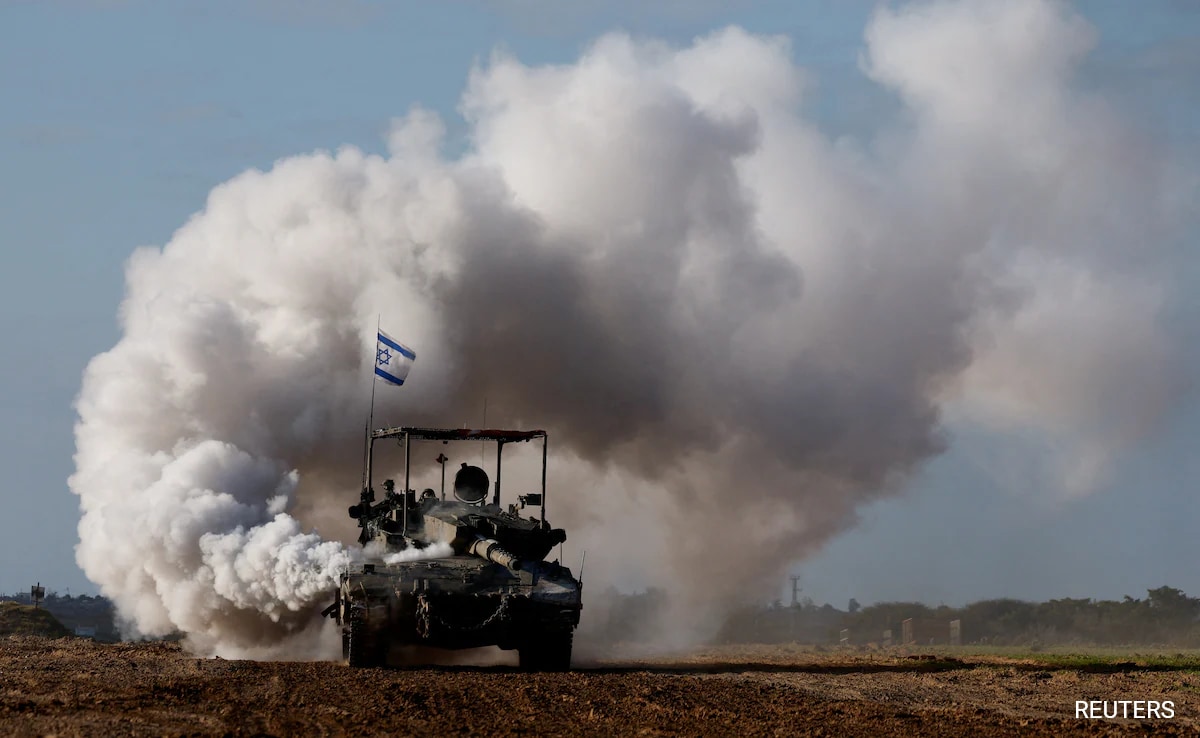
x=392 y=359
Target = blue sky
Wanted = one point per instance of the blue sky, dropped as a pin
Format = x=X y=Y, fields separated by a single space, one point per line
x=117 y=118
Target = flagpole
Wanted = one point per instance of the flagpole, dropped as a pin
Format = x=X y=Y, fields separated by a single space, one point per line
x=371 y=417
x=371 y=413
x=366 y=451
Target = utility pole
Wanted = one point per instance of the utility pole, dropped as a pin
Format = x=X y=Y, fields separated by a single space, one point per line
x=795 y=607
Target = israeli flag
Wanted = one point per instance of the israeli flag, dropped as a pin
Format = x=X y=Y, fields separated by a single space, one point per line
x=392 y=359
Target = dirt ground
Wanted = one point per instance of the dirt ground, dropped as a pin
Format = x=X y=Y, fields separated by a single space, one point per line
x=76 y=687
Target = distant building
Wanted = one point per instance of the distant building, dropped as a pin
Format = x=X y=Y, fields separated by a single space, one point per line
x=925 y=632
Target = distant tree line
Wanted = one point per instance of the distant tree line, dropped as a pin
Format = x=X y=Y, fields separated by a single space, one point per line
x=1166 y=616
x=80 y=613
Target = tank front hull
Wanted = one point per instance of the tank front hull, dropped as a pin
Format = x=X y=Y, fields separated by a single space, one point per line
x=455 y=603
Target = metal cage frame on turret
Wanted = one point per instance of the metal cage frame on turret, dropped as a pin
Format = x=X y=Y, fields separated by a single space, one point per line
x=407 y=434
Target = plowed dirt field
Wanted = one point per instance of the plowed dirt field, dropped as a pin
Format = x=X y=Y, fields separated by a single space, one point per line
x=72 y=687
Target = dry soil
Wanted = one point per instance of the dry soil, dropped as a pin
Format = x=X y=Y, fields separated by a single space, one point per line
x=76 y=687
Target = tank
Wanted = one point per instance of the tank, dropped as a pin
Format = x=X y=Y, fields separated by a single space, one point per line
x=457 y=573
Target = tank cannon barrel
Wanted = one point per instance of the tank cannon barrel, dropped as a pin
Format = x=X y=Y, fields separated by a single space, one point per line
x=490 y=549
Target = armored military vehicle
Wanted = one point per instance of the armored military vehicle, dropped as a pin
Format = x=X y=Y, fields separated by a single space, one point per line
x=458 y=573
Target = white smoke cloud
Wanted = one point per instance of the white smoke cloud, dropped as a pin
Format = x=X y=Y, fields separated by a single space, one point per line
x=436 y=551
x=739 y=327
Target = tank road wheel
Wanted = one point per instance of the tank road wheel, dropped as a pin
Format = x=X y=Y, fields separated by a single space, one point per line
x=549 y=651
x=361 y=649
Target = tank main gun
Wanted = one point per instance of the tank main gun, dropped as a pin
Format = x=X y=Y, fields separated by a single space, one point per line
x=490 y=549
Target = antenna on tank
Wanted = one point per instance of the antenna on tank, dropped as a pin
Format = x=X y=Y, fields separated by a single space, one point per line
x=365 y=453
x=442 y=459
